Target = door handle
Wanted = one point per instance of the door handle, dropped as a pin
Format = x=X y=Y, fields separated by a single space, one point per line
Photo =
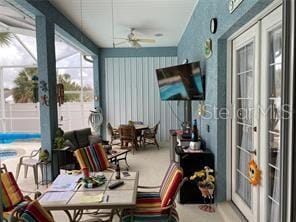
x=254 y=152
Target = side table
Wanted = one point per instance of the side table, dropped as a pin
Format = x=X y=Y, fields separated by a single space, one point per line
x=44 y=165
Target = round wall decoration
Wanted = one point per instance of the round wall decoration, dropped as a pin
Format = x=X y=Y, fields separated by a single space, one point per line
x=213 y=25
x=208 y=48
x=254 y=173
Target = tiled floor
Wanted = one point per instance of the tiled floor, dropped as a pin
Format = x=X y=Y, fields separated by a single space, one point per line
x=151 y=164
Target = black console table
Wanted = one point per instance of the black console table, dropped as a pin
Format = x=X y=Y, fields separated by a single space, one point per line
x=192 y=162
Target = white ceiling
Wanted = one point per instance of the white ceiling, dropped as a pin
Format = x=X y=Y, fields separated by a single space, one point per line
x=148 y=17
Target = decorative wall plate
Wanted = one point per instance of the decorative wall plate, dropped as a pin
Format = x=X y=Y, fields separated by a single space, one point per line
x=208 y=48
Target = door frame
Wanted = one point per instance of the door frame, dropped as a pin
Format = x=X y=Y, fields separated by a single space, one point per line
x=275 y=4
x=250 y=35
x=271 y=24
x=252 y=22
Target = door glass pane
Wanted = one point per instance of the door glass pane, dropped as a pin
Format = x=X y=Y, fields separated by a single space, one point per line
x=244 y=137
x=243 y=188
x=245 y=111
x=275 y=72
x=274 y=115
x=245 y=84
x=274 y=149
x=244 y=114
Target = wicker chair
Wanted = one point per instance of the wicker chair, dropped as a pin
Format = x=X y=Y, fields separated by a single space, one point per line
x=113 y=133
x=139 y=134
x=149 y=136
x=128 y=135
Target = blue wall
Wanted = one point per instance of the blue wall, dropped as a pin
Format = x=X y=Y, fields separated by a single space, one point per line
x=191 y=46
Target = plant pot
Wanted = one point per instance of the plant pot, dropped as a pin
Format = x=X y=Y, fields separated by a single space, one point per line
x=204 y=191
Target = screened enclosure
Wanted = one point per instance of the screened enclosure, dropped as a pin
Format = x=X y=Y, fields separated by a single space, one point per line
x=18 y=64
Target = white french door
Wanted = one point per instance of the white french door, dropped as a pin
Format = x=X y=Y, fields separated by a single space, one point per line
x=271 y=73
x=256 y=104
x=245 y=81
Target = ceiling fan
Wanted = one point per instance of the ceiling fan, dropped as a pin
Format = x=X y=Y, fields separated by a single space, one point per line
x=133 y=39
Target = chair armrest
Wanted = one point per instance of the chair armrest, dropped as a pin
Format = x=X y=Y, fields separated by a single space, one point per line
x=35 y=152
x=148 y=187
x=156 y=208
x=16 y=209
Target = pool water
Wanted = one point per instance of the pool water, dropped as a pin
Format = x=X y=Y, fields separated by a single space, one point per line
x=11 y=137
x=4 y=154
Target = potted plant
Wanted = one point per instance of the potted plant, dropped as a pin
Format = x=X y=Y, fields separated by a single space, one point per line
x=205 y=181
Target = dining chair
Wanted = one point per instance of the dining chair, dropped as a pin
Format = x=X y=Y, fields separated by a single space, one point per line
x=149 y=136
x=3 y=168
x=139 y=133
x=34 y=212
x=114 y=134
x=14 y=203
x=93 y=157
x=29 y=161
x=158 y=206
x=128 y=135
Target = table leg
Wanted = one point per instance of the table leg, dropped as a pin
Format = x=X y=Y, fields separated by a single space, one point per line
x=69 y=215
x=125 y=159
x=77 y=215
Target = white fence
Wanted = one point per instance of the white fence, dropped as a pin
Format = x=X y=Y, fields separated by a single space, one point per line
x=25 y=117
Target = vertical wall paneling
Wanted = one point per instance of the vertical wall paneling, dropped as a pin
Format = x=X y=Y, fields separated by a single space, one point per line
x=132 y=93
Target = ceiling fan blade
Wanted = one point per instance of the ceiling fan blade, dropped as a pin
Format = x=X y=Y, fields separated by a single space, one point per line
x=120 y=43
x=135 y=44
x=122 y=38
x=147 y=40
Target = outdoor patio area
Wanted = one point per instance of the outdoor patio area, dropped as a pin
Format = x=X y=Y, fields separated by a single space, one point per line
x=150 y=162
x=147 y=111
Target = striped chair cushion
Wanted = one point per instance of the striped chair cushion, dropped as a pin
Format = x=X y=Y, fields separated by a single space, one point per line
x=155 y=217
x=92 y=157
x=34 y=212
x=11 y=193
x=148 y=199
x=170 y=184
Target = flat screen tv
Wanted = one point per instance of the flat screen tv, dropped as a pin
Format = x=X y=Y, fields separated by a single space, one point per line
x=182 y=82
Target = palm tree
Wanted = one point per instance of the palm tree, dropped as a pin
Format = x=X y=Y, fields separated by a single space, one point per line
x=69 y=85
x=23 y=92
x=5 y=38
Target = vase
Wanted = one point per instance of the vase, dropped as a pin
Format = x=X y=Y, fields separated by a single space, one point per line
x=204 y=191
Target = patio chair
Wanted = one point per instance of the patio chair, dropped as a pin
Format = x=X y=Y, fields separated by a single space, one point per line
x=128 y=135
x=3 y=168
x=158 y=206
x=93 y=157
x=29 y=161
x=114 y=134
x=149 y=136
x=139 y=133
x=15 y=203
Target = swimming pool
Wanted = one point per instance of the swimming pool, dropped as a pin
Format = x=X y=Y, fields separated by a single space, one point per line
x=11 y=137
x=4 y=154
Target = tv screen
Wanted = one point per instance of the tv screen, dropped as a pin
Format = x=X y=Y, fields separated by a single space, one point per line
x=182 y=82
